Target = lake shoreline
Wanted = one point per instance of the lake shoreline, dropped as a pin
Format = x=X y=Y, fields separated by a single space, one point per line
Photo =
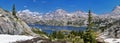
x=50 y=28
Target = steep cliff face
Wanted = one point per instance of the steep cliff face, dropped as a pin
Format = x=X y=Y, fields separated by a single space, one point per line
x=11 y=25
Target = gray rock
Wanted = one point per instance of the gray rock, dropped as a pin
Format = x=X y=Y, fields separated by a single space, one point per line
x=10 y=25
x=100 y=40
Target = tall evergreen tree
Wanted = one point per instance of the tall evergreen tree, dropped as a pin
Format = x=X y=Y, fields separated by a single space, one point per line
x=14 y=11
x=89 y=35
x=89 y=20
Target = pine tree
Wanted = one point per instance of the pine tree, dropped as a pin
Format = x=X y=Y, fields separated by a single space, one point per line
x=89 y=35
x=14 y=11
x=89 y=20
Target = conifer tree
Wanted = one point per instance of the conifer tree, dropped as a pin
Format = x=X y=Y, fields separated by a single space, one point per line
x=89 y=20
x=14 y=11
x=89 y=35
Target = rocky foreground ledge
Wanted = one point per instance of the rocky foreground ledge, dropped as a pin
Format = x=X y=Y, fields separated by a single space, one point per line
x=106 y=39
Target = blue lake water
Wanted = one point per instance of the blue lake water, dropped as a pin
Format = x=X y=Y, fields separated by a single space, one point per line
x=48 y=28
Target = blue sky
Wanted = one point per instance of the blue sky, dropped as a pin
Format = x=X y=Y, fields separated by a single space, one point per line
x=43 y=6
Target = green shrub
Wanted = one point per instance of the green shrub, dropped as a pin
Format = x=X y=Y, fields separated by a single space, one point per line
x=58 y=35
x=37 y=31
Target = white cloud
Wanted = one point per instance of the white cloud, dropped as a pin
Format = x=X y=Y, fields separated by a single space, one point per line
x=25 y=6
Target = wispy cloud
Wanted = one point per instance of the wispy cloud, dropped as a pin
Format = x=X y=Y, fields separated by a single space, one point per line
x=25 y=6
x=34 y=0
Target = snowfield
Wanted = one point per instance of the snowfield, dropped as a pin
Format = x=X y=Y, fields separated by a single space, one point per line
x=4 y=38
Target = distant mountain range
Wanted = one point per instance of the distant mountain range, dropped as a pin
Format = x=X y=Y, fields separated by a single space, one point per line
x=62 y=15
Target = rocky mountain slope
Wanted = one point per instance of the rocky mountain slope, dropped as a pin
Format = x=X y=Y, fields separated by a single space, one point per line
x=11 y=25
